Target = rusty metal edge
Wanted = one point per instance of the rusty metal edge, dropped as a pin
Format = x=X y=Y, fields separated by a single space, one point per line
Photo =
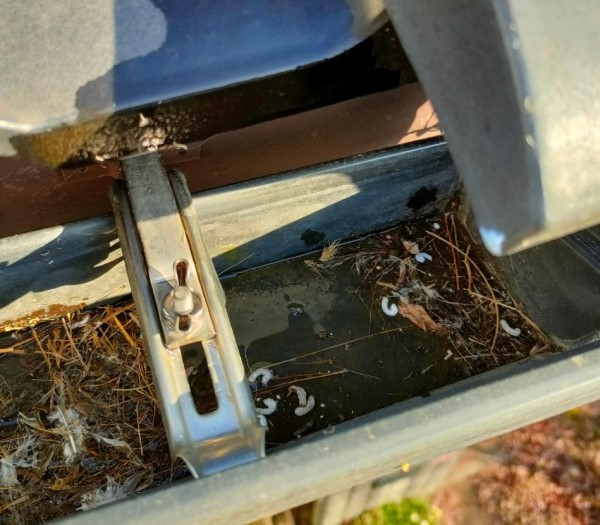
x=34 y=197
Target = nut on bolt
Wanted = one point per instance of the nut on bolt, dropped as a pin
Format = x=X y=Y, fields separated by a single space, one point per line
x=181 y=306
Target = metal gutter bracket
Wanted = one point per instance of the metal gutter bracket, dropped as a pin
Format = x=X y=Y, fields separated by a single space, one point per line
x=180 y=302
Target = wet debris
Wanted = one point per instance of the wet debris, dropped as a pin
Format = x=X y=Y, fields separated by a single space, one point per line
x=417 y=315
x=69 y=426
x=329 y=252
x=25 y=455
x=88 y=430
x=303 y=429
x=327 y=260
x=411 y=247
x=440 y=280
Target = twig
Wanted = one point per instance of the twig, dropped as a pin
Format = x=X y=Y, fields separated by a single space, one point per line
x=368 y=308
x=105 y=320
x=12 y=350
x=315 y=267
x=302 y=380
x=236 y=264
x=387 y=285
x=321 y=362
x=357 y=373
x=73 y=345
x=337 y=345
x=487 y=283
x=456 y=244
x=18 y=501
x=370 y=271
x=468 y=268
x=51 y=431
x=454 y=259
x=139 y=434
x=124 y=333
x=513 y=308
x=132 y=389
x=46 y=358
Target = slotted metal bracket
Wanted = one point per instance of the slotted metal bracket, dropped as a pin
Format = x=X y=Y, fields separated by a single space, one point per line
x=180 y=301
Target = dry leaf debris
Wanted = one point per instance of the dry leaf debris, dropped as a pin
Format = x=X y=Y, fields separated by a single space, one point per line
x=417 y=315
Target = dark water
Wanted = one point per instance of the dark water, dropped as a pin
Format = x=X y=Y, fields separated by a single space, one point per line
x=284 y=311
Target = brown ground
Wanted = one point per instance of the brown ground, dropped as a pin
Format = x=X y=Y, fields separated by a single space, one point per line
x=547 y=474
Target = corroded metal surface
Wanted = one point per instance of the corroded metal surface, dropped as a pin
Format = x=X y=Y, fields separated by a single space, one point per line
x=34 y=196
x=374 y=65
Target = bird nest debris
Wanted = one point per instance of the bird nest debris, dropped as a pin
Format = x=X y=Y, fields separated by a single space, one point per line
x=450 y=289
x=79 y=419
x=80 y=422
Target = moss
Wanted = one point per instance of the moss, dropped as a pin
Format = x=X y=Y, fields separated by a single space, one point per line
x=409 y=511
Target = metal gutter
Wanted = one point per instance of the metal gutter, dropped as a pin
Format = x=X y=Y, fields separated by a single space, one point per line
x=56 y=270
x=406 y=433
